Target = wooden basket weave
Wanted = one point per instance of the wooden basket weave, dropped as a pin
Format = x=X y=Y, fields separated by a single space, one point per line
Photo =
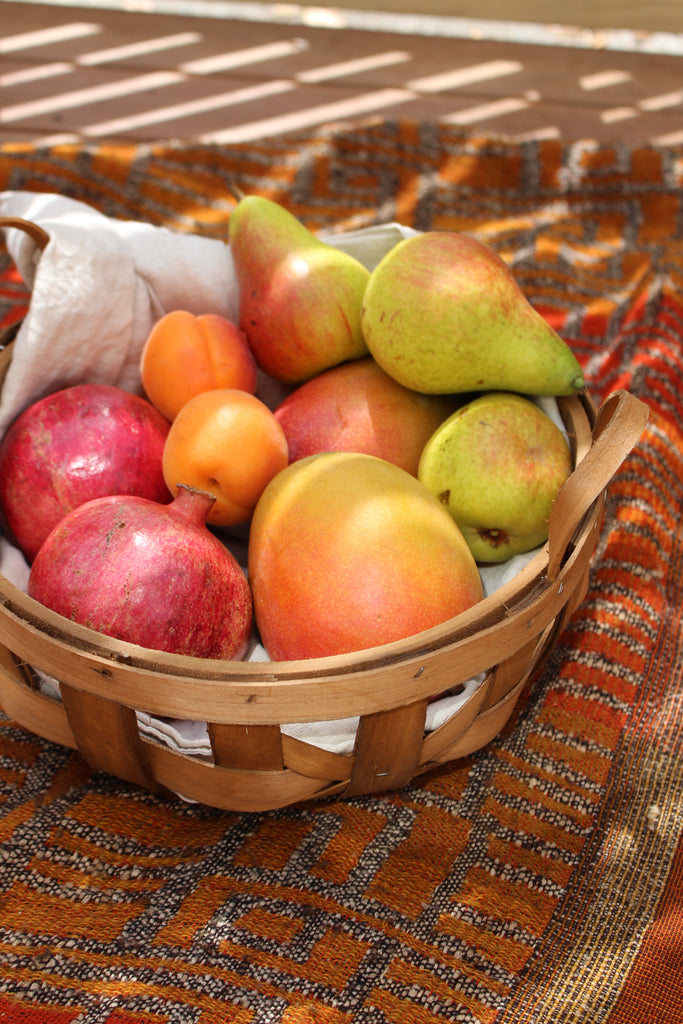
x=254 y=765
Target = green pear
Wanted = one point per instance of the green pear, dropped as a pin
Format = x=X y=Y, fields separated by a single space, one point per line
x=497 y=465
x=299 y=298
x=442 y=313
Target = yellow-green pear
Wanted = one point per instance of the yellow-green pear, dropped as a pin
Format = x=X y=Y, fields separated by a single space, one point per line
x=443 y=313
x=497 y=465
x=299 y=298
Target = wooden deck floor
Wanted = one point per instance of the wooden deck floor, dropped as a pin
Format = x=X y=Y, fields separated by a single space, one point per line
x=100 y=74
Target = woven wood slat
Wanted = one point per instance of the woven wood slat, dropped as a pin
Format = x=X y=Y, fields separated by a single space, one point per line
x=24 y=704
x=245 y=746
x=107 y=736
x=387 y=748
x=232 y=788
x=315 y=762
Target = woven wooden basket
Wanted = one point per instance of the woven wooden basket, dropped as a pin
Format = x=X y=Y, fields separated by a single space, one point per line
x=253 y=764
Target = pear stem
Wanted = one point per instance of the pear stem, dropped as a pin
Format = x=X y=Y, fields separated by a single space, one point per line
x=235 y=191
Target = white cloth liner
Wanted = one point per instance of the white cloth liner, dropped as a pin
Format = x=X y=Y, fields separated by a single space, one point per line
x=97 y=288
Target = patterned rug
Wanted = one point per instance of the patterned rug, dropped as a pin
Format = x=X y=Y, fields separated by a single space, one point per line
x=539 y=880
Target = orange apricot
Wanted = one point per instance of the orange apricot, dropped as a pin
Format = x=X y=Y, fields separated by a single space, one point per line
x=226 y=442
x=185 y=355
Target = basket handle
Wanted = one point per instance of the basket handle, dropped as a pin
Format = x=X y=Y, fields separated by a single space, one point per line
x=619 y=424
x=34 y=231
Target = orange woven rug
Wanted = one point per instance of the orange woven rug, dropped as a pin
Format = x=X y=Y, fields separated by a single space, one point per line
x=538 y=881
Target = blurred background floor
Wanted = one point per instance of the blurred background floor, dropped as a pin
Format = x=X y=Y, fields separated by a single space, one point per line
x=235 y=72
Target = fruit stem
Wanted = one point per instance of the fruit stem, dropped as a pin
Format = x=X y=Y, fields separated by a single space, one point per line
x=192 y=503
x=235 y=191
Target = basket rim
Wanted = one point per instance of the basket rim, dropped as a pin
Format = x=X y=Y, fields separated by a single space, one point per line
x=485 y=614
x=251 y=693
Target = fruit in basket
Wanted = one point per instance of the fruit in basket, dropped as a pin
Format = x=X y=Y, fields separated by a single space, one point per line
x=358 y=407
x=497 y=465
x=299 y=298
x=226 y=442
x=186 y=354
x=149 y=574
x=442 y=312
x=347 y=552
x=79 y=443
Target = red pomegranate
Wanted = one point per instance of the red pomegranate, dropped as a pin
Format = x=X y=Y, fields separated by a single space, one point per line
x=83 y=442
x=147 y=573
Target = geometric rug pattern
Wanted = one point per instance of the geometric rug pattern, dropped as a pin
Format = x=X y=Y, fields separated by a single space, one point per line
x=539 y=880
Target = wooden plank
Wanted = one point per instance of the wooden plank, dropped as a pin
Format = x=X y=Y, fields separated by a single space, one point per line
x=249 y=747
x=112 y=75
x=107 y=736
x=663 y=16
x=27 y=706
x=387 y=751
